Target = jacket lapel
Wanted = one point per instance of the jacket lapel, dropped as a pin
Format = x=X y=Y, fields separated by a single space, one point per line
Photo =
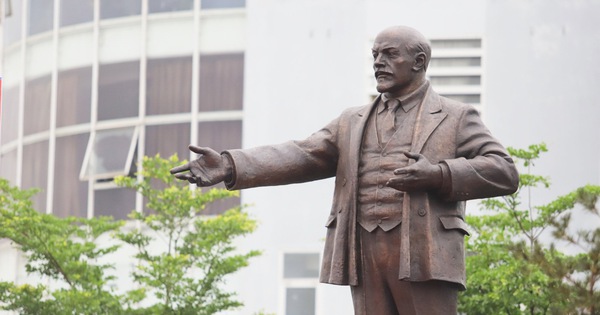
x=429 y=117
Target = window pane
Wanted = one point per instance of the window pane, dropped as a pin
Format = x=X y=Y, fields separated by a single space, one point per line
x=115 y=202
x=70 y=193
x=10 y=114
x=12 y=21
x=216 y=4
x=456 y=62
x=169 y=5
x=456 y=80
x=41 y=13
x=301 y=266
x=456 y=43
x=117 y=8
x=118 y=90
x=8 y=166
x=35 y=172
x=465 y=98
x=111 y=153
x=76 y=11
x=169 y=86
x=220 y=135
x=74 y=97
x=37 y=105
x=221 y=82
x=167 y=140
x=300 y=301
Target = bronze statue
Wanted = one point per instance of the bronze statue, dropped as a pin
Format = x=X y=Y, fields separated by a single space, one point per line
x=404 y=166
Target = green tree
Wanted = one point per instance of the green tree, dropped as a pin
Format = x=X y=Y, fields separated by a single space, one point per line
x=184 y=277
x=183 y=257
x=510 y=270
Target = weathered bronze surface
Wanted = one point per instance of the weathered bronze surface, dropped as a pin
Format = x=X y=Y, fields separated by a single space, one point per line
x=404 y=167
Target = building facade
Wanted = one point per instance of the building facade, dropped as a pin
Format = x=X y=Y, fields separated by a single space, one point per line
x=93 y=86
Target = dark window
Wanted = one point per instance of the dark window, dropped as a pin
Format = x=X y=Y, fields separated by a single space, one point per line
x=118 y=8
x=10 y=114
x=37 y=105
x=169 y=86
x=455 y=80
x=300 y=301
x=115 y=202
x=220 y=135
x=169 y=5
x=221 y=82
x=12 y=21
x=167 y=140
x=455 y=62
x=455 y=43
x=465 y=98
x=41 y=15
x=8 y=166
x=35 y=172
x=222 y=4
x=300 y=265
x=118 y=90
x=76 y=11
x=70 y=193
x=74 y=96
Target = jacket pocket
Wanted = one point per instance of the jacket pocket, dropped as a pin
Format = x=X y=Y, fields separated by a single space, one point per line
x=454 y=223
x=331 y=221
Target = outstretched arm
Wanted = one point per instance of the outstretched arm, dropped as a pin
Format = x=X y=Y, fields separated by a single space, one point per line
x=209 y=169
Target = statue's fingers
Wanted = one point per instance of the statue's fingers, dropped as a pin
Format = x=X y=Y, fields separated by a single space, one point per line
x=198 y=150
x=180 y=168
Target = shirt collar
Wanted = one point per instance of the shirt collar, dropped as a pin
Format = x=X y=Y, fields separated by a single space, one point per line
x=407 y=102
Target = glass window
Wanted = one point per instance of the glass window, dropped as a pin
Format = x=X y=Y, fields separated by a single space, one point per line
x=118 y=90
x=301 y=265
x=221 y=82
x=465 y=98
x=222 y=4
x=169 y=5
x=118 y=8
x=167 y=140
x=456 y=80
x=300 y=301
x=110 y=153
x=455 y=62
x=76 y=11
x=10 y=114
x=35 y=172
x=41 y=14
x=8 y=164
x=116 y=202
x=169 y=85
x=12 y=21
x=455 y=43
x=74 y=96
x=37 y=105
x=70 y=193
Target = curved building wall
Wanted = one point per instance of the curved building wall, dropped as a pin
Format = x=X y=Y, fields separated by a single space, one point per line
x=90 y=87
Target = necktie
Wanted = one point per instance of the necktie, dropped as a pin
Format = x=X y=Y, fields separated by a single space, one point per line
x=388 y=126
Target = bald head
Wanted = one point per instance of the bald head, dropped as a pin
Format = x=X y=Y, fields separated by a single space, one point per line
x=413 y=41
x=400 y=58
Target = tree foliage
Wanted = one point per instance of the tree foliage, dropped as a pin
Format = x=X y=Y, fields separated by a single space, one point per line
x=182 y=257
x=512 y=268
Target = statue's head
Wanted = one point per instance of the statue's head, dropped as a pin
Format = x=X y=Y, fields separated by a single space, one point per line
x=400 y=58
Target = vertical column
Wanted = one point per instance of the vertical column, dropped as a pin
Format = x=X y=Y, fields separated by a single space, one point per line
x=53 y=106
x=94 y=101
x=21 y=106
x=139 y=199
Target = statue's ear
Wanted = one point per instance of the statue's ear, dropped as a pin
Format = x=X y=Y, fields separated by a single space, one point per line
x=420 y=61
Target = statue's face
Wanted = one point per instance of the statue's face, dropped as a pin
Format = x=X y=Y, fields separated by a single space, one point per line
x=392 y=63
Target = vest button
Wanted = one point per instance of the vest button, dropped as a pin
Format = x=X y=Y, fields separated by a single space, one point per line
x=422 y=212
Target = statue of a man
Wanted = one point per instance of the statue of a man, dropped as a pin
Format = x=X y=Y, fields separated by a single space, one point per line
x=404 y=166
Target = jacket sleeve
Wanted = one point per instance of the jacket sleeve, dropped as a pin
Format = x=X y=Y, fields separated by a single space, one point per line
x=286 y=163
x=482 y=167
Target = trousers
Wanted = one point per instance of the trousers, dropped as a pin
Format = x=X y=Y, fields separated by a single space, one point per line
x=380 y=292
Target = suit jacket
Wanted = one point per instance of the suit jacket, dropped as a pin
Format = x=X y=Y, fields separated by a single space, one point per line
x=433 y=227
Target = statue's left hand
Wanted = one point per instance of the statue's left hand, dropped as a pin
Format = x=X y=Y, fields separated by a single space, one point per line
x=210 y=168
x=419 y=176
